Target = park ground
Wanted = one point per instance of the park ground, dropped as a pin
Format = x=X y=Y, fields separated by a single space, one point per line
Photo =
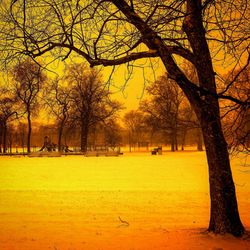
x=131 y=202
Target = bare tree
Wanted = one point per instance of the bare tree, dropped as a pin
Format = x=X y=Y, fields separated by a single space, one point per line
x=58 y=98
x=187 y=121
x=91 y=103
x=28 y=78
x=8 y=113
x=164 y=107
x=113 y=32
x=112 y=134
x=134 y=121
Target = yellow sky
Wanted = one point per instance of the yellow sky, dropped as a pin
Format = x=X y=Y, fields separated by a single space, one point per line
x=128 y=89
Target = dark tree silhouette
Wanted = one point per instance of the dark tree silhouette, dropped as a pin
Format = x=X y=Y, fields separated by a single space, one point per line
x=28 y=78
x=134 y=121
x=8 y=113
x=164 y=107
x=57 y=98
x=91 y=103
x=112 y=133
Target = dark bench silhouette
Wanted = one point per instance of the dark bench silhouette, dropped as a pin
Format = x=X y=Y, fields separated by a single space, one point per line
x=157 y=150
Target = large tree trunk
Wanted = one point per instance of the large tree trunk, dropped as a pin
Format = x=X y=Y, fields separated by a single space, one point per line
x=224 y=216
x=29 y=132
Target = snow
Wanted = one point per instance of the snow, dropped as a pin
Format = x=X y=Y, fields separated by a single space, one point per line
x=134 y=201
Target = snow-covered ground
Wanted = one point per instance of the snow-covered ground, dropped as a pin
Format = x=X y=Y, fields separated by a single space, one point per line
x=135 y=201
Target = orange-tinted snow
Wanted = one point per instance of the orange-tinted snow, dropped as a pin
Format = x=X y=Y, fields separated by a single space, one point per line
x=136 y=201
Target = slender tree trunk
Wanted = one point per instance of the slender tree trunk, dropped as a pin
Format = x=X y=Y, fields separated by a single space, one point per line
x=94 y=140
x=183 y=138
x=59 y=142
x=29 y=132
x=10 y=142
x=175 y=139
x=22 y=138
x=129 y=141
x=5 y=138
x=60 y=134
x=172 y=140
x=84 y=136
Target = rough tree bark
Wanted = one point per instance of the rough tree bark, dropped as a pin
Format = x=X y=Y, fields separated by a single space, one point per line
x=224 y=216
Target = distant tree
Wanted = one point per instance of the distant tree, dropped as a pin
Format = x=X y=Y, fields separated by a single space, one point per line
x=8 y=113
x=28 y=78
x=57 y=98
x=163 y=107
x=134 y=121
x=91 y=102
x=112 y=133
x=21 y=134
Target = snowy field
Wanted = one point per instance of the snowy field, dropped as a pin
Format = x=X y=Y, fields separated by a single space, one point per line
x=135 y=201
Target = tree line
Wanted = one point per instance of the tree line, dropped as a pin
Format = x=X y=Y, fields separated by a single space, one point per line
x=79 y=103
x=81 y=109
